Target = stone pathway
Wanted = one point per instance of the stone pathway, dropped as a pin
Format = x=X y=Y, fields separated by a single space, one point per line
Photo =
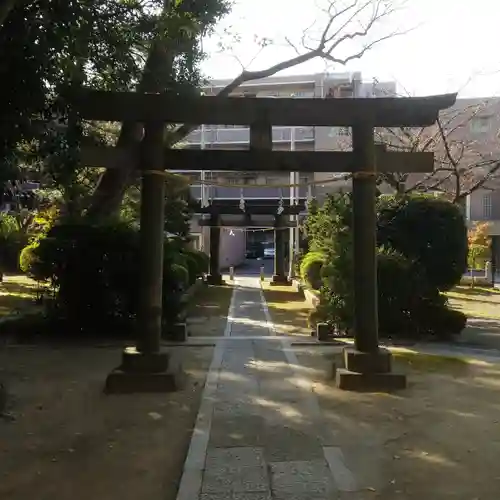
x=259 y=432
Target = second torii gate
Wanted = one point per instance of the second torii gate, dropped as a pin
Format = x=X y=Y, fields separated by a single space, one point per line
x=254 y=207
x=146 y=367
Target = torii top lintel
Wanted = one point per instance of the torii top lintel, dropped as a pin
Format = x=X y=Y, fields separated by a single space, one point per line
x=171 y=108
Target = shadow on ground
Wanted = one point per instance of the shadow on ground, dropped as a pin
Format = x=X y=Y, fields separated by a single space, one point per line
x=481 y=332
x=71 y=442
x=17 y=295
x=207 y=313
x=438 y=439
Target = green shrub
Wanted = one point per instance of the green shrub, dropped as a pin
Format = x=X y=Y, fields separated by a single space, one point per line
x=332 y=235
x=403 y=293
x=94 y=271
x=181 y=274
x=12 y=241
x=27 y=258
x=409 y=300
x=428 y=230
x=441 y=321
x=196 y=263
x=310 y=269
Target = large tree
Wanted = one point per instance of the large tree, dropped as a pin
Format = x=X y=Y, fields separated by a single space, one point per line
x=47 y=47
x=341 y=23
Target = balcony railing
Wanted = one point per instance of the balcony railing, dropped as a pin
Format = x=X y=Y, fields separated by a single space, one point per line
x=242 y=135
x=248 y=193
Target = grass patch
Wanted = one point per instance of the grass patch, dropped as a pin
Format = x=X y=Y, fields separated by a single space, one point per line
x=430 y=362
x=211 y=301
x=477 y=301
x=287 y=308
x=17 y=295
x=476 y=309
x=476 y=293
x=405 y=359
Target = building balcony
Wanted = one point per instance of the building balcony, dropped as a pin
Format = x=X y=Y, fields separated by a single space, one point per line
x=259 y=192
x=241 y=135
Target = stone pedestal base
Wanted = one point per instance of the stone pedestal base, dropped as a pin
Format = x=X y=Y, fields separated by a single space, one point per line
x=322 y=332
x=364 y=362
x=369 y=372
x=279 y=280
x=215 y=279
x=369 y=382
x=176 y=333
x=139 y=372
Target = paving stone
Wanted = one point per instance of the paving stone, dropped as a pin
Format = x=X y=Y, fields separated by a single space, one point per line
x=227 y=408
x=237 y=431
x=231 y=458
x=283 y=443
x=267 y=430
x=301 y=477
x=238 y=480
x=252 y=496
x=237 y=496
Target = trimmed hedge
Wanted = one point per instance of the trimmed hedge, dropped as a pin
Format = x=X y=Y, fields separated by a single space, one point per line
x=310 y=269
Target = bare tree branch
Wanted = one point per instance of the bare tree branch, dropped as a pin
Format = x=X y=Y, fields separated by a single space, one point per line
x=327 y=45
x=460 y=166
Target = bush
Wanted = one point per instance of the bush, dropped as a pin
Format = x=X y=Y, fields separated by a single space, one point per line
x=310 y=269
x=12 y=241
x=197 y=264
x=403 y=293
x=27 y=259
x=331 y=234
x=94 y=271
x=428 y=230
x=409 y=303
x=441 y=321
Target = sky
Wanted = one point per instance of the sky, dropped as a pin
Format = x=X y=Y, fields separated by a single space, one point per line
x=451 y=46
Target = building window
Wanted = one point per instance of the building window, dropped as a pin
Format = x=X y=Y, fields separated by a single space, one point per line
x=480 y=124
x=303 y=94
x=487 y=206
x=272 y=180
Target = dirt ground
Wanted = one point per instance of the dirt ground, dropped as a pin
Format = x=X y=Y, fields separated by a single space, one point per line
x=439 y=439
x=207 y=315
x=70 y=442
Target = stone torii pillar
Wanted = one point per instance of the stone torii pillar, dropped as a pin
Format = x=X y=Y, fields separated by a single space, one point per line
x=279 y=276
x=214 y=277
x=146 y=367
x=367 y=366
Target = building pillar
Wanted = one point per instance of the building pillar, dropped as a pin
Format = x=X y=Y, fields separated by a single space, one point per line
x=367 y=367
x=214 y=277
x=279 y=276
x=494 y=257
x=146 y=368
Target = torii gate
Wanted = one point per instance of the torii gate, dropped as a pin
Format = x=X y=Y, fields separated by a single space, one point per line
x=254 y=207
x=146 y=367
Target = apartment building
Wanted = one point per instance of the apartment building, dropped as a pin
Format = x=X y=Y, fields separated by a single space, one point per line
x=269 y=185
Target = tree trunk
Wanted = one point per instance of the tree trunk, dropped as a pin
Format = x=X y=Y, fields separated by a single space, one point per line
x=108 y=195
x=6 y=7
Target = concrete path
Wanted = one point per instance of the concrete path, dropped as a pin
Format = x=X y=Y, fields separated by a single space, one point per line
x=259 y=433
